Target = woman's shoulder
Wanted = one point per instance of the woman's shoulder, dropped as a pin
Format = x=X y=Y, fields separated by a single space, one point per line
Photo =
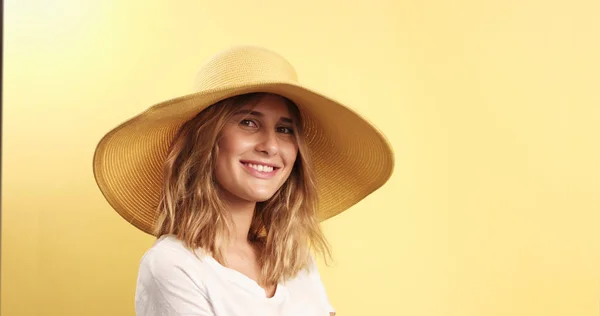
x=171 y=278
x=169 y=254
x=168 y=244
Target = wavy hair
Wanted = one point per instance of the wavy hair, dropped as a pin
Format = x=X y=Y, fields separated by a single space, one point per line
x=285 y=226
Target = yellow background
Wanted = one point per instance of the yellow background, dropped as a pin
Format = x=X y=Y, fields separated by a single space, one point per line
x=493 y=108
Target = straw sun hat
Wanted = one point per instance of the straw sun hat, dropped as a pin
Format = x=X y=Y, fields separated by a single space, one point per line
x=351 y=157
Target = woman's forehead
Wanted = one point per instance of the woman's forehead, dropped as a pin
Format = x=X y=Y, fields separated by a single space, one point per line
x=270 y=105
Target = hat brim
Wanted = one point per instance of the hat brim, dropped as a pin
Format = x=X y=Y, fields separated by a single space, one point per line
x=352 y=158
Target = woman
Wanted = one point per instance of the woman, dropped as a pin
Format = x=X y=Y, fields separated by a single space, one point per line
x=233 y=180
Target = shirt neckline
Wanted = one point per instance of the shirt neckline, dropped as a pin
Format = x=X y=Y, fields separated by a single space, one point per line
x=234 y=275
x=245 y=281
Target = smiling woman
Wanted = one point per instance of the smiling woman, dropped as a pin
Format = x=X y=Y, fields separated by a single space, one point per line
x=233 y=180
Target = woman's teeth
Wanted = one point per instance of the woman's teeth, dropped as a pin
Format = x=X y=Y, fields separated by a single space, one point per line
x=260 y=168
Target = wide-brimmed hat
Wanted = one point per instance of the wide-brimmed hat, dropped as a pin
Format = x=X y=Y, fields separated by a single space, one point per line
x=351 y=157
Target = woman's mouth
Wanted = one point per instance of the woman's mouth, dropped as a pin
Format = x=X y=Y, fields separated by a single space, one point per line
x=258 y=170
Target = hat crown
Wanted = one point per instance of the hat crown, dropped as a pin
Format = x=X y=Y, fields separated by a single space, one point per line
x=243 y=66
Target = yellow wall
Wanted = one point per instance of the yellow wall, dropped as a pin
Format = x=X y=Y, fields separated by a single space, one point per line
x=493 y=108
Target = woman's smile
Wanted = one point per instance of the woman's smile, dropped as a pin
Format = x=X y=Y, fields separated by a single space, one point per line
x=262 y=171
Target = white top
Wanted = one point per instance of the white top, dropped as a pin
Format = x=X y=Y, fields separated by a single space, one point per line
x=172 y=281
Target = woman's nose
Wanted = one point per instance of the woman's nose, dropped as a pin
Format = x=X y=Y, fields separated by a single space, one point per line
x=268 y=143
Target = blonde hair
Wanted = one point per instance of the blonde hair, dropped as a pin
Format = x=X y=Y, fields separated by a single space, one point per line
x=285 y=226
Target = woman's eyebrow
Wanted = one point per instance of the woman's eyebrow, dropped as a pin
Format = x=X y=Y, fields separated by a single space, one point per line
x=259 y=114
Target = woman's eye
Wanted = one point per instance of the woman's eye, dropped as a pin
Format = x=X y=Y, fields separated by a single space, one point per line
x=285 y=130
x=248 y=123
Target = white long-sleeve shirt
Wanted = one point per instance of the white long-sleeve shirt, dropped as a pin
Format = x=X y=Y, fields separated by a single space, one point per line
x=172 y=281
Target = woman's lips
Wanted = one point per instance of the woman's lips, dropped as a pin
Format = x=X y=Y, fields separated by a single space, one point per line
x=254 y=169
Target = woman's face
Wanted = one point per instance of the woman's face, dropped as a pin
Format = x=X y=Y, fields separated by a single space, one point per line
x=257 y=150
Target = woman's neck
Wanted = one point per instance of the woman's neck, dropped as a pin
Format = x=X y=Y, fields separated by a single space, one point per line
x=242 y=220
x=242 y=213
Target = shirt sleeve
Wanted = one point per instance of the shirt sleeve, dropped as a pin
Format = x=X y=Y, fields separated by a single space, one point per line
x=165 y=288
x=315 y=277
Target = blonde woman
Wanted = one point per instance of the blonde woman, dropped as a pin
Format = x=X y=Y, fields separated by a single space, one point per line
x=233 y=180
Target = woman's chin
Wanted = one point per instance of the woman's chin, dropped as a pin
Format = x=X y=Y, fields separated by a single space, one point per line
x=260 y=196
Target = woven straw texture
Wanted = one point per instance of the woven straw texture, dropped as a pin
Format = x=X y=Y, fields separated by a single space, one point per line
x=352 y=158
